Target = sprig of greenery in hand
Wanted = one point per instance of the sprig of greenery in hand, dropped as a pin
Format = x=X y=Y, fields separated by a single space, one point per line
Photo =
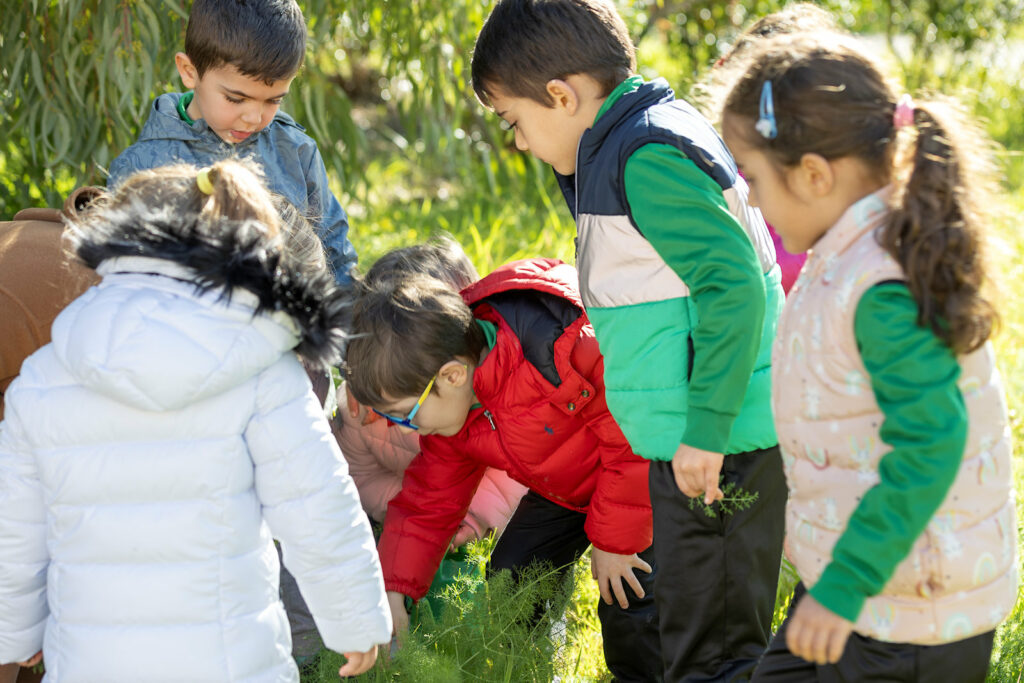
x=735 y=500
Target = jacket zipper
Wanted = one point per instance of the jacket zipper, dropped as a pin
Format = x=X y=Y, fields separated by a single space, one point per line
x=576 y=177
x=504 y=451
x=494 y=427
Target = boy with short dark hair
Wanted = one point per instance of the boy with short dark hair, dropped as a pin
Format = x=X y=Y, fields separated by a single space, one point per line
x=239 y=62
x=508 y=376
x=678 y=276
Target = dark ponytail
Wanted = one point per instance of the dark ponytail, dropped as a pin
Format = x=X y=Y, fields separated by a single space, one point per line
x=935 y=229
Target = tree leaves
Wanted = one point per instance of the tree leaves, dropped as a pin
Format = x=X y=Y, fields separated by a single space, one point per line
x=382 y=79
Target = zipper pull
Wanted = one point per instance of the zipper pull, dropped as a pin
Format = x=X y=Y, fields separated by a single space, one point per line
x=490 y=418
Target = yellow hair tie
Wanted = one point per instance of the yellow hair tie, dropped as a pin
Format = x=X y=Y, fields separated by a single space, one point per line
x=203 y=181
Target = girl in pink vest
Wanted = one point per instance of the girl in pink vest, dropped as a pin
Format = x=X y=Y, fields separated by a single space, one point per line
x=890 y=413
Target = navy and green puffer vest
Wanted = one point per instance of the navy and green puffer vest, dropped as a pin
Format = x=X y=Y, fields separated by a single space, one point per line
x=638 y=305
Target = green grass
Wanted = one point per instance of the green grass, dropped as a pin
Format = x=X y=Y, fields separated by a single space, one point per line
x=480 y=630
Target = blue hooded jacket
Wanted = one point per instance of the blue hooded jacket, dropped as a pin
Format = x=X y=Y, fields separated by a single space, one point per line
x=290 y=160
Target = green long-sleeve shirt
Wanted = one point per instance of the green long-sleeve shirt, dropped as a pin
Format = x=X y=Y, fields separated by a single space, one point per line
x=682 y=213
x=680 y=210
x=914 y=377
x=676 y=277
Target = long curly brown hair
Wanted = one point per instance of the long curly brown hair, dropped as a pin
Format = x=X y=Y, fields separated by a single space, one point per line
x=831 y=99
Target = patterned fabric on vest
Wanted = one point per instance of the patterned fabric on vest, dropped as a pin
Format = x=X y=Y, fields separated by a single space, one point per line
x=960 y=578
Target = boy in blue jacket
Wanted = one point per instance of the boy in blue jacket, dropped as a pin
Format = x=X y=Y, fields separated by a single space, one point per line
x=678 y=276
x=239 y=62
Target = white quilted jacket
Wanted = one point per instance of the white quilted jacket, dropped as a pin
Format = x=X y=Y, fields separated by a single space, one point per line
x=148 y=456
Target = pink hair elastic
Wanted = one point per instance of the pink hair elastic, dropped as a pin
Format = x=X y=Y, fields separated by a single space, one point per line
x=904 y=114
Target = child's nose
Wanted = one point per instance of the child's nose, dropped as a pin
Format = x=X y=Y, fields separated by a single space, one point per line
x=253 y=115
x=521 y=142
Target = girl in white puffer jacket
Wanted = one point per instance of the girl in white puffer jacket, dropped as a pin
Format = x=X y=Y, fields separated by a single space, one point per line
x=150 y=452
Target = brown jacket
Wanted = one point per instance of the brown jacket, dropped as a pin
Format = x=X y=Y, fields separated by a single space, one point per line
x=37 y=280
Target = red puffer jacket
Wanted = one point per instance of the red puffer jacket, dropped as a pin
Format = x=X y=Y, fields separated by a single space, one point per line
x=543 y=419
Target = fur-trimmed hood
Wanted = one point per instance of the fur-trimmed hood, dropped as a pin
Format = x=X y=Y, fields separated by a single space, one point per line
x=241 y=257
x=159 y=334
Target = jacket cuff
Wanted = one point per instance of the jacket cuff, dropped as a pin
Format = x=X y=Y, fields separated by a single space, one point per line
x=638 y=538
x=837 y=591
x=404 y=587
x=18 y=646
x=707 y=430
x=639 y=547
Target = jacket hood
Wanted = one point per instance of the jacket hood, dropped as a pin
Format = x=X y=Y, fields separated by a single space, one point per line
x=539 y=300
x=546 y=275
x=164 y=123
x=143 y=338
x=181 y=315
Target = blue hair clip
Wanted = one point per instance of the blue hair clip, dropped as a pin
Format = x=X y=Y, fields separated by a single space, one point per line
x=766 y=115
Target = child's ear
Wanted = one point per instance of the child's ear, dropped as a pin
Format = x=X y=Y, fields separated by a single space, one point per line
x=187 y=70
x=816 y=175
x=454 y=373
x=564 y=95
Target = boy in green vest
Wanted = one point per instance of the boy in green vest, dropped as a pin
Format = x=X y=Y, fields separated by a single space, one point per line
x=678 y=276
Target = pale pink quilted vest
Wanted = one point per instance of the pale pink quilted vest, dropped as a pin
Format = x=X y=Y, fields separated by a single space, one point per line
x=960 y=578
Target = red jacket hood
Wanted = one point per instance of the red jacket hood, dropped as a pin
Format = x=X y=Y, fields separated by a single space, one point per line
x=538 y=274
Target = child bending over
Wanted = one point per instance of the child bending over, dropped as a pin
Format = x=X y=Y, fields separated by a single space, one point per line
x=378 y=455
x=508 y=376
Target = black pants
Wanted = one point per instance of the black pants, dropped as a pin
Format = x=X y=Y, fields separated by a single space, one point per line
x=867 y=659
x=542 y=530
x=717 y=576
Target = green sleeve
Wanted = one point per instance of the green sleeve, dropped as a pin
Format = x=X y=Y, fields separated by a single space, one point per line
x=681 y=211
x=914 y=376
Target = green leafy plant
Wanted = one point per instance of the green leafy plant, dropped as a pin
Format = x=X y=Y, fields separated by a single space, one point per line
x=735 y=499
x=498 y=629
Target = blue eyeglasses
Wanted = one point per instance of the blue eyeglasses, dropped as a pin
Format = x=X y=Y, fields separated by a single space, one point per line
x=407 y=420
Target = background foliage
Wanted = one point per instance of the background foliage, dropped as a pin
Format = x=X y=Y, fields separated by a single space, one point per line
x=385 y=92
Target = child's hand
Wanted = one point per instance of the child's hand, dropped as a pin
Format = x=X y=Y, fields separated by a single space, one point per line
x=697 y=472
x=463 y=535
x=33 y=660
x=610 y=570
x=358 y=662
x=399 y=617
x=816 y=633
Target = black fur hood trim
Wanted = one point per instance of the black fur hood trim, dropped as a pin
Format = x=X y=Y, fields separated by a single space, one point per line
x=239 y=254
